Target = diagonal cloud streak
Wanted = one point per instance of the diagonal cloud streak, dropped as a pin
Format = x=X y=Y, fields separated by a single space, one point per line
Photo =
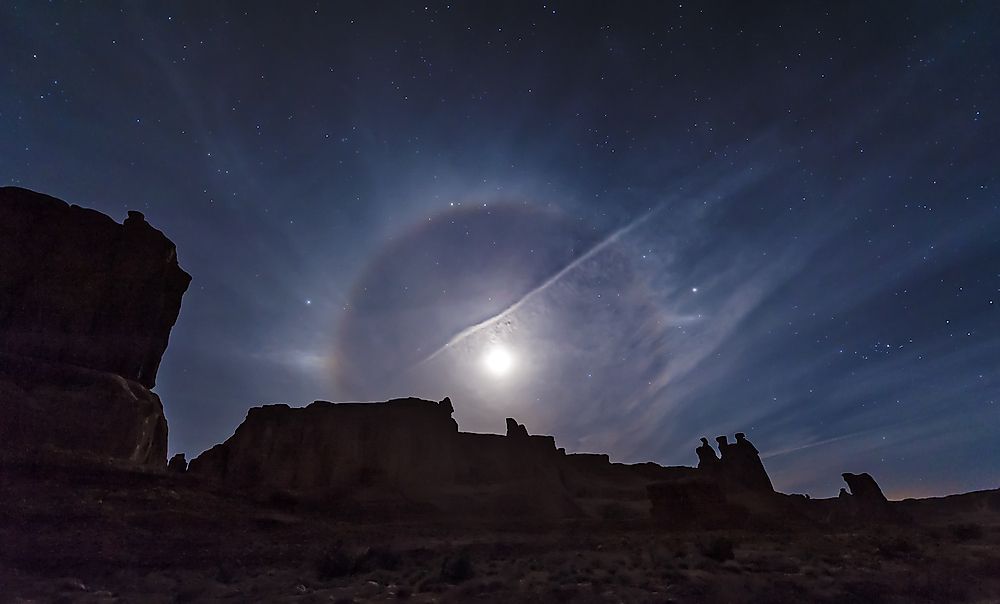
x=590 y=253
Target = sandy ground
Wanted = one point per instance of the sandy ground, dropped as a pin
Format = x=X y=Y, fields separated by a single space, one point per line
x=74 y=532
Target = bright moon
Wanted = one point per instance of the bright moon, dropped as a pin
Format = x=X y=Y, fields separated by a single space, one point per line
x=498 y=361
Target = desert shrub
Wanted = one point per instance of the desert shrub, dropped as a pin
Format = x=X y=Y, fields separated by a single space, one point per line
x=281 y=499
x=615 y=511
x=949 y=582
x=190 y=593
x=898 y=547
x=376 y=558
x=429 y=586
x=563 y=593
x=966 y=532
x=783 y=590
x=337 y=561
x=478 y=589
x=225 y=573
x=719 y=549
x=334 y=562
x=784 y=565
x=457 y=568
x=864 y=590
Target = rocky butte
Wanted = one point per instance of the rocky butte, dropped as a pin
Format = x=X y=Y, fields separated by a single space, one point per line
x=408 y=456
x=86 y=308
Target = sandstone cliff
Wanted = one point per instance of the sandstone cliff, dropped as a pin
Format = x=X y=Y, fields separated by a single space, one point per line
x=407 y=455
x=404 y=449
x=86 y=308
x=411 y=450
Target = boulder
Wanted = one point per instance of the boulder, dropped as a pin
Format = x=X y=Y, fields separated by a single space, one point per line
x=47 y=405
x=865 y=490
x=865 y=503
x=177 y=464
x=86 y=308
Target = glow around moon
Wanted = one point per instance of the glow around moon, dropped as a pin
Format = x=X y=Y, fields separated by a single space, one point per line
x=498 y=361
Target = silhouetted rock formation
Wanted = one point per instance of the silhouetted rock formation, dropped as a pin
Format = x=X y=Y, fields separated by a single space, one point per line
x=80 y=289
x=177 y=464
x=725 y=492
x=740 y=466
x=45 y=404
x=515 y=429
x=409 y=452
x=86 y=308
x=865 y=502
x=406 y=448
x=707 y=459
x=746 y=467
x=864 y=488
x=335 y=444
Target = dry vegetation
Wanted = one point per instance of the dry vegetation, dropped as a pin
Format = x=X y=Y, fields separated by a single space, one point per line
x=80 y=533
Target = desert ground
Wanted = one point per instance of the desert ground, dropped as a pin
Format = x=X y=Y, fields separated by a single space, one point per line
x=83 y=530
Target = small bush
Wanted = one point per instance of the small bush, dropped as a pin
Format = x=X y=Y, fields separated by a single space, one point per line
x=456 y=569
x=898 y=548
x=190 y=593
x=334 y=562
x=615 y=512
x=719 y=549
x=563 y=593
x=282 y=500
x=376 y=558
x=226 y=573
x=966 y=532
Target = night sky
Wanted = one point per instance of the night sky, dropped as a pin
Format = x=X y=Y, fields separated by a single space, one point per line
x=628 y=225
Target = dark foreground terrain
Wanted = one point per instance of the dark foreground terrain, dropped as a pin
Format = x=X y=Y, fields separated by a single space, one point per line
x=78 y=530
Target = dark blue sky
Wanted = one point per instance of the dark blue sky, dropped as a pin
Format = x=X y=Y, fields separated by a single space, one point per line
x=675 y=219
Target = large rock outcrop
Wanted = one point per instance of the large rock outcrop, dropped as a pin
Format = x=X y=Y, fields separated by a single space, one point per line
x=411 y=450
x=327 y=445
x=866 y=502
x=86 y=308
x=406 y=449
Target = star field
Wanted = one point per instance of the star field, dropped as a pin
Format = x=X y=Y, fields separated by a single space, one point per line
x=675 y=219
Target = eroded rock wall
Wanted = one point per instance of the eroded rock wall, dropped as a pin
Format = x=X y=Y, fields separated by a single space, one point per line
x=86 y=308
x=405 y=448
x=78 y=288
x=325 y=445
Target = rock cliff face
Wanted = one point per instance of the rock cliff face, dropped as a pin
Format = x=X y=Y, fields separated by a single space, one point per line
x=409 y=449
x=866 y=502
x=86 y=308
x=79 y=288
x=406 y=441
